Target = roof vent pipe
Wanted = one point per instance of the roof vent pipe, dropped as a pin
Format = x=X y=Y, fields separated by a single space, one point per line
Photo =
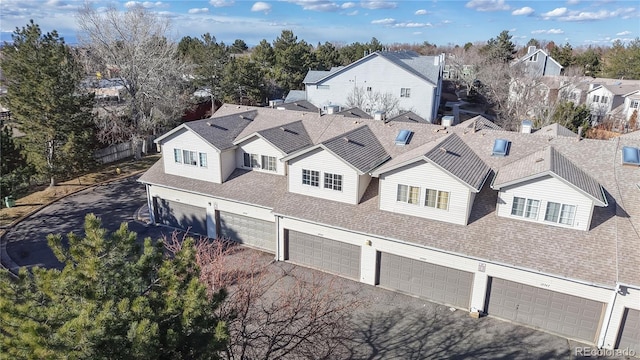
x=579 y=133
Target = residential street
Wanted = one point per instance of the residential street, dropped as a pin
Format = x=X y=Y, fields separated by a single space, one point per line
x=387 y=325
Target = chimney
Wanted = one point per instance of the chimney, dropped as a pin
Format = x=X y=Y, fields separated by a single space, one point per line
x=474 y=126
x=579 y=133
x=525 y=128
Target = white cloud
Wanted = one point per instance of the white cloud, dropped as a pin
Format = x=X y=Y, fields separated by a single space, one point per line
x=523 y=11
x=316 y=5
x=378 y=4
x=221 y=3
x=600 y=15
x=348 y=5
x=550 y=31
x=487 y=5
x=623 y=33
x=421 y=12
x=387 y=21
x=412 y=25
x=198 y=11
x=261 y=6
x=555 y=12
x=145 y=4
x=447 y=21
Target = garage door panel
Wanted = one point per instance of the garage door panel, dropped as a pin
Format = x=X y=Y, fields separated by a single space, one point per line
x=564 y=314
x=326 y=254
x=629 y=336
x=180 y=215
x=249 y=231
x=424 y=279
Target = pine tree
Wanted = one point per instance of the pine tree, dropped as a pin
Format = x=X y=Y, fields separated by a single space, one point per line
x=45 y=98
x=112 y=300
x=14 y=169
x=501 y=48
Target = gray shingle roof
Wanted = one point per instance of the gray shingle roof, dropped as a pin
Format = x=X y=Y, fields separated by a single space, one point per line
x=454 y=156
x=482 y=123
x=288 y=138
x=409 y=117
x=555 y=129
x=355 y=112
x=549 y=161
x=222 y=131
x=314 y=76
x=359 y=147
x=295 y=95
x=300 y=105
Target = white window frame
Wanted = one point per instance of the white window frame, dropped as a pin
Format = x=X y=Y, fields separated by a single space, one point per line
x=635 y=104
x=526 y=208
x=437 y=199
x=405 y=92
x=333 y=181
x=310 y=177
x=596 y=98
x=190 y=157
x=202 y=158
x=268 y=163
x=177 y=156
x=604 y=99
x=562 y=214
x=408 y=194
x=251 y=160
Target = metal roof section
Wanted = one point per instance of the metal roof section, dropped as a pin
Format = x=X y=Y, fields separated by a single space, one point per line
x=501 y=147
x=630 y=156
x=459 y=160
x=287 y=138
x=409 y=117
x=403 y=137
x=549 y=162
x=359 y=147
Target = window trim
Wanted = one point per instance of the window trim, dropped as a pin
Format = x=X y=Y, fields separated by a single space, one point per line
x=525 y=210
x=192 y=157
x=408 y=194
x=311 y=177
x=405 y=92
x=558 y=217
x=636 y=103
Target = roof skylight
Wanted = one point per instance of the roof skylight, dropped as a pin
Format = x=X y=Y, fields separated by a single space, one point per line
x=630 y=156
x=403 y=137
x=500 y=147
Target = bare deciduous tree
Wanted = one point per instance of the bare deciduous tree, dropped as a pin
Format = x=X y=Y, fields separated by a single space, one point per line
x=134 y=46
x=372 y=101
x=271 y=311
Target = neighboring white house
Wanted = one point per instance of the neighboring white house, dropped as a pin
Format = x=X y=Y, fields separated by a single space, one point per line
x=406 y=80
x=608 y=101
x=538 y=230
x=538 y=63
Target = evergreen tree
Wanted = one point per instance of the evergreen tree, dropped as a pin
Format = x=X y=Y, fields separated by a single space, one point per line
x=209 y=59
x=45 y=98
x=293 y=60
x=238 y=47
x=111 y=300
x=14 y=169
x=622 y=61
x=563 y=55
x=589 y=61
x=501 y=48
x=326 y=56
x=572 y=116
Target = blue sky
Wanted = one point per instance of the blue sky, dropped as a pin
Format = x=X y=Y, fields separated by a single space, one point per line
x=439 y=22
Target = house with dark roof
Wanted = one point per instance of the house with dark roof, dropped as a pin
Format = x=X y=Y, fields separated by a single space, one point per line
x=412 y=81
x=538 y=230
x=538 y=63
x=614 y=100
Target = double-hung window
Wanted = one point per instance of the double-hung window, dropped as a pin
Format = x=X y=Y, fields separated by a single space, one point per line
x=405 y=92
x=333 y=181
x=437 y=199
x=560 y=213
x=596 y=98
x=203 y=159
x=527 y=208
x=408 y=194
x=251 y=160
x=190 y=157
x=310 y=177
x=268 y=163
x=177 y=156
x=635 y=104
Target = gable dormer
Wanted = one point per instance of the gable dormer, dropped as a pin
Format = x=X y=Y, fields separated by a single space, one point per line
x=437 y=180
x=338 y=168
x=545 y=187
x=264 y=149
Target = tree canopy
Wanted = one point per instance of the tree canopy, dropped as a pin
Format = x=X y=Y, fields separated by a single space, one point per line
x=46 y=100
x=112 y=300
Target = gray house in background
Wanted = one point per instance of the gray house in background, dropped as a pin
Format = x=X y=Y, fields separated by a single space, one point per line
x=538 y=63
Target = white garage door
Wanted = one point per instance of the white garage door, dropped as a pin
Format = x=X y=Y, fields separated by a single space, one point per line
x=563 y=314
x=333 y=256
x=629 y=337
x=435 y=282
x=249 y=231
x=179 y=215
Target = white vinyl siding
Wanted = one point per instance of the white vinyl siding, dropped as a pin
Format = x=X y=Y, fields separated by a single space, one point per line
x=323 y=162
x=173 y=148
x=259 y=155
x=228 y=163
x=449 y=193
x=375 y=73
x=548 y=190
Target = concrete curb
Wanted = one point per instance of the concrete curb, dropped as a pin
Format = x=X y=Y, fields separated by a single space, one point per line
x=6 y=262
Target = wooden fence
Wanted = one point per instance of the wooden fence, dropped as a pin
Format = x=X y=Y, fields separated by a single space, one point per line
x=115 y=152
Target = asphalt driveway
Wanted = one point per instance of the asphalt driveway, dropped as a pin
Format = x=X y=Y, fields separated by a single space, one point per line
x=114 y=203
